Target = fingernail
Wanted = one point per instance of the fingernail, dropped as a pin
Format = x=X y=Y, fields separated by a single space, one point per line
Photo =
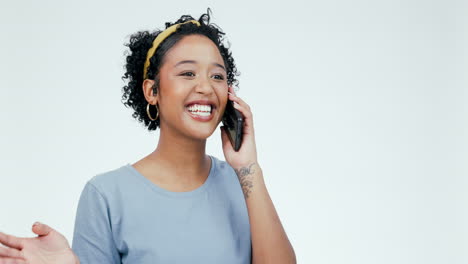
x=36 y=223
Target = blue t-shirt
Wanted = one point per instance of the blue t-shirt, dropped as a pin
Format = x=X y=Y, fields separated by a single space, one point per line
x=123 y=217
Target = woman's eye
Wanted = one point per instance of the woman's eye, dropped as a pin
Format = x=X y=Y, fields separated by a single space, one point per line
x=220 y=77
x=190 y=74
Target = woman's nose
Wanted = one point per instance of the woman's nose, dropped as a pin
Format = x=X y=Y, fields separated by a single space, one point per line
x=204 y=86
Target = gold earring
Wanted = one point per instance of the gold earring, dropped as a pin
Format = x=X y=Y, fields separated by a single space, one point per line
x=149 y=115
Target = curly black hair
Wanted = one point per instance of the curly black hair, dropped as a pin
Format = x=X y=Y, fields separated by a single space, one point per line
x=142 y=41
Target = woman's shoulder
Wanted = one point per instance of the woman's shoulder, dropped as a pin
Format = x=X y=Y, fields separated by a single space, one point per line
x=226 y=173
x=222 y=167
x=221 y=164
x=112 y=180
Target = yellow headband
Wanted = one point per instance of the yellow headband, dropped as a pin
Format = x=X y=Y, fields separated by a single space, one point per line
x=160 y=38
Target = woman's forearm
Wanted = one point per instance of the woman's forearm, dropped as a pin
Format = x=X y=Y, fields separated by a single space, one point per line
x=270 y=243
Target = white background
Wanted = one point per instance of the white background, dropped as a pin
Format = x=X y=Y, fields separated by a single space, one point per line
x=360 y=110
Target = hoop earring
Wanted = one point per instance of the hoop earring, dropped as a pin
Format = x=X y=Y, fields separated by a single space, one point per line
x=149 y=115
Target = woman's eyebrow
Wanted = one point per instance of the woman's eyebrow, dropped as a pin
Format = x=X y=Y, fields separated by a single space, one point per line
x=195 y=62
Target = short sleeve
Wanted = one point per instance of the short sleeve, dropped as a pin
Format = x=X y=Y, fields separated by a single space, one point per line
x=92 y=237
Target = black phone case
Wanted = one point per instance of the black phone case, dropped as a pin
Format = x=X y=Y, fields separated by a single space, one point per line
x=233 y=123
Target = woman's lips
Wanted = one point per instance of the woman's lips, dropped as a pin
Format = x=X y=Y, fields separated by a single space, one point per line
x=201 y=118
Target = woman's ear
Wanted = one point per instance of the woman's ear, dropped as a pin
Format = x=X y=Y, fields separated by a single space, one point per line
x=150 y=88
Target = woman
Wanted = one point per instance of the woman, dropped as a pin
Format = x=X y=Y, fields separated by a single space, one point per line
x=177 y=204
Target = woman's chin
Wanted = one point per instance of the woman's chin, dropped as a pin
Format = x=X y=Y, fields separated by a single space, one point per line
x=201 y=130
x=201 y=133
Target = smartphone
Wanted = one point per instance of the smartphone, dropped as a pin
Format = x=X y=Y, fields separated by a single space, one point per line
x=233 y=123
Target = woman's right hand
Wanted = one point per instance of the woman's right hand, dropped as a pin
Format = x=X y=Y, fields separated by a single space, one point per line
x=49 y=247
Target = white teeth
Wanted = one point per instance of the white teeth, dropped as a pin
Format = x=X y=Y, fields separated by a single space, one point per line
x=201 y=113
x=203 y=110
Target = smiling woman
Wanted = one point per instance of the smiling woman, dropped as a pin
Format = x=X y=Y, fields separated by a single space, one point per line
x=180 y=101
x=141 y=67
x=177 y=204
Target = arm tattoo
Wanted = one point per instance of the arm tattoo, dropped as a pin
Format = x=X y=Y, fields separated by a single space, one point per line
x=245 y=179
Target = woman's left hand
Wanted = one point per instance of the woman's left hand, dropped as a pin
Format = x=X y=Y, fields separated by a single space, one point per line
x=247 y=153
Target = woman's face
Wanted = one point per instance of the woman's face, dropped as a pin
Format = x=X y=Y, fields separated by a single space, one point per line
x=193 y=70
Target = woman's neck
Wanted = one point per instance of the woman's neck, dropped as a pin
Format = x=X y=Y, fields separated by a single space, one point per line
x=181 y=157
